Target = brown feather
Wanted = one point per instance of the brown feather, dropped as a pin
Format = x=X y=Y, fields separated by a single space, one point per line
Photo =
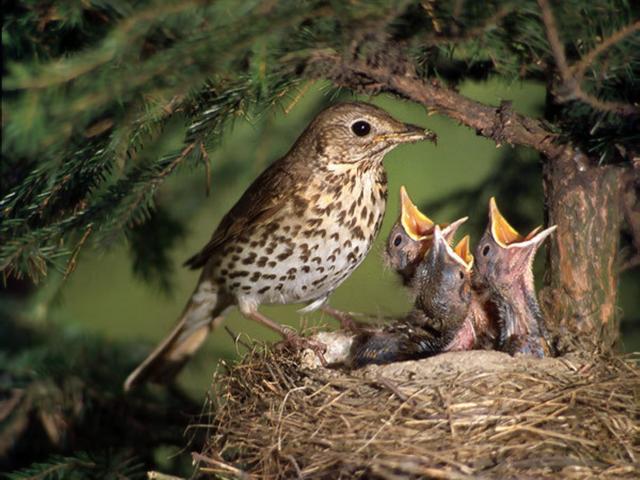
x=266 y=196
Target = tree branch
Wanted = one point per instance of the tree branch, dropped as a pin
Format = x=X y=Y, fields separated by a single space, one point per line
x=457 y=36
x=501 y=124
x=631 y=210
x=630 y=263
x=557 y=49
x=571 y=76
x=580 y=67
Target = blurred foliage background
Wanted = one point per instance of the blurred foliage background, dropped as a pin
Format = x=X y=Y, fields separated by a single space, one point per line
x=101 y=200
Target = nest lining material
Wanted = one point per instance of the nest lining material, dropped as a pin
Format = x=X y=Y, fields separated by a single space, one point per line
x=476 y=414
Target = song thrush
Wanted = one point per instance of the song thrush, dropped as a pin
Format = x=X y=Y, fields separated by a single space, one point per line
x=503 y=269
x=443 y=315
x=296 y=234
x=411 y=236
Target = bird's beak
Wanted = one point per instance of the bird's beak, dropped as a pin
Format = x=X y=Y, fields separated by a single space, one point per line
x=413 y=133
x=463 y=250
x=460 y=254
x=408 y=134
x=449 y=231
x=503 y=233
x=415 y=223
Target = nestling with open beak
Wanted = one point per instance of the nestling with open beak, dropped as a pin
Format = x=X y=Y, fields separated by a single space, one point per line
x=446 y=315
x=503 y=269
x=411 y=236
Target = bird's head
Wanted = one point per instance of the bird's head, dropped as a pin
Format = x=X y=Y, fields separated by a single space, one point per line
x=504 y=256
x=348 y=133
x=411 y=237
x=444 y=279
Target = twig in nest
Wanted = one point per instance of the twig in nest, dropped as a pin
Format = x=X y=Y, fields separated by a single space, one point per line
x=221 y=466
x=236 y=338
x=292 y=459
x=388 y=384
x=153 y=475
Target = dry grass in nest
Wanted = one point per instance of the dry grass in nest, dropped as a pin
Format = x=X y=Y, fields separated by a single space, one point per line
x=479 y=414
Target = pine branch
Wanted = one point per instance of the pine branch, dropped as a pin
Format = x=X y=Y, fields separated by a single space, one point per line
x=500 y=124
x=85 y=121
x=128 y=32
x=81 y=466
x=68 y=385
x=571 y=76
x=579 y=68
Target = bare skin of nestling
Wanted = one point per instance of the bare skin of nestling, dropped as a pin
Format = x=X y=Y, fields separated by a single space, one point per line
x=303 y=226
x=447 y=314
x=503 y=270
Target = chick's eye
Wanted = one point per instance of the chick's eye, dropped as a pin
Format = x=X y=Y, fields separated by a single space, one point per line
x=361 y=128
x=461 y=274
x=397 y=241
x=485 y=250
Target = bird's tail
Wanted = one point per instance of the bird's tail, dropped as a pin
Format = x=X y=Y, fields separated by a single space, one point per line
x=201 y=315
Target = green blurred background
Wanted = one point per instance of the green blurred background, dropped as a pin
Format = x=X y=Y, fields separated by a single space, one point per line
x=104 y=296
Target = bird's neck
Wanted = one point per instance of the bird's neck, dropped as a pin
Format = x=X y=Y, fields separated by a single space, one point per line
x=367 y=180
x=518 y=308
x=483 y=324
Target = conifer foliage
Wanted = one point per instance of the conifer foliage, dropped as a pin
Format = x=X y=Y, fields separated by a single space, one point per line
x=90 y=86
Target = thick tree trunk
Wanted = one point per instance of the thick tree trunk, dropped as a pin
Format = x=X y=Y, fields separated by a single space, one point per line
x=579 y=298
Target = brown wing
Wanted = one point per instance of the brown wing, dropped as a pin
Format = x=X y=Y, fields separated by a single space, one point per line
x=265 y=197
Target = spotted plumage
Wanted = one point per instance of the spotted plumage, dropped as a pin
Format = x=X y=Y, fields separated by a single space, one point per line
x=297 y=232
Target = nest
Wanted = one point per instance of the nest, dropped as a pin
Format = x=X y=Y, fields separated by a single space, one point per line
x=457 y=415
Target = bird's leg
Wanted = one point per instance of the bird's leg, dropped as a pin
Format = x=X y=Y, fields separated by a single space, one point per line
x=346 y=320
x=289 y=335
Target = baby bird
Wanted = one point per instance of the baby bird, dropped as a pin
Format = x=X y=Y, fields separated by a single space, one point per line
x=503 y=269
x=411 y=236
x=444 y=316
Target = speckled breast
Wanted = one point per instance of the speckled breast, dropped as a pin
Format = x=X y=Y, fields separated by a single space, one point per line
x=313 y=244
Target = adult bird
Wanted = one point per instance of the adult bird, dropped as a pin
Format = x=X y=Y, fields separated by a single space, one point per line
x=295 y=235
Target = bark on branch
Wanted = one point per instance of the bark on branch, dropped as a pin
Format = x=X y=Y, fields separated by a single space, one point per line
x=582 y=198
x=501 y=124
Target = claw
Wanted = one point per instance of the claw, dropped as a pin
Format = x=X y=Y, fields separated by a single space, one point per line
x=299 y=343
x=347 y=322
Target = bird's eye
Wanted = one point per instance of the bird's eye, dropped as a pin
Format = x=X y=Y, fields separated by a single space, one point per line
x=485 y=250
x=361 y=128
x=397 y=241
x=461 y=274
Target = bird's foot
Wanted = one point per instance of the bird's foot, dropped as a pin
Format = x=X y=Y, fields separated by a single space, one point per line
x=299 y=343
x=347 y=322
